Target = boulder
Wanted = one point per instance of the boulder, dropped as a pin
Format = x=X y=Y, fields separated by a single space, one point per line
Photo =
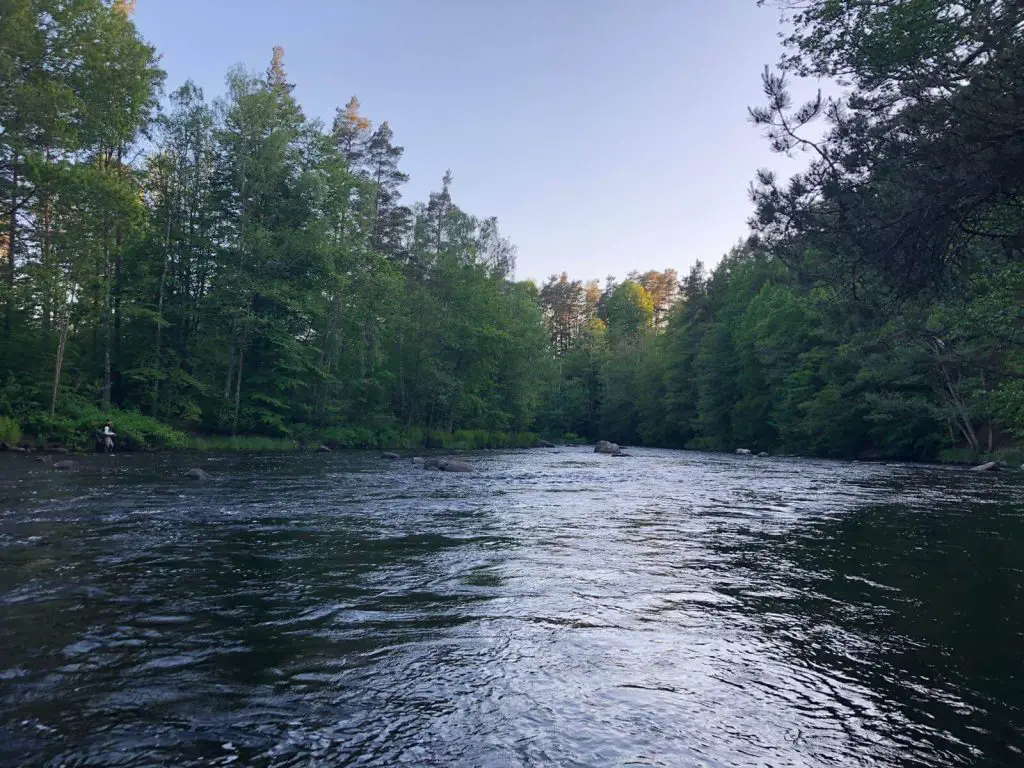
x=63 y=465
x=324 y=449
x=43 y=459
x=418 y=460
x=455 y=466
x=762 y=455
x=603 y=446
x=432 y=463
x=742 y=451
x=390 y=455
x=198 y=474
x=989 y=466
x=545 y=444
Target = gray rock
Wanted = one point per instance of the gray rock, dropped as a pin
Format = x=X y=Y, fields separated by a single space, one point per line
x=43 y=459
x=742 y=451
x=324 y=449
x=198 y=474
x=621 y=455
x=989 y=466
x=545 y=444
x=456 y=466
x=603 y=446
x=390 y=455
x=63 y=465
x=762 y=455
x=418 y=460
x=433 y=464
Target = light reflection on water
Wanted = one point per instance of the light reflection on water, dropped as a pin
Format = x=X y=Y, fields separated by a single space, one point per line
x=556 y=608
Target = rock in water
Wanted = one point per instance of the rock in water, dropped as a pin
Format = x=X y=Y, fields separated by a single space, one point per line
x=324 y=449
x=989 y=466
x=418 y=460
x=762 y=455
x=742 y=451
x=198 y=474
x=433 y=464
x=456 y=466
x=389 y=455
x=545 y=444
x=63 y=465
x=603 y=446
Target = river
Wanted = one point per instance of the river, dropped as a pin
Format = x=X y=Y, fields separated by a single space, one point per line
x=556 y=608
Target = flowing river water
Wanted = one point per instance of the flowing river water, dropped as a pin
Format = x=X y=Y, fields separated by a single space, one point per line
x=556 y=608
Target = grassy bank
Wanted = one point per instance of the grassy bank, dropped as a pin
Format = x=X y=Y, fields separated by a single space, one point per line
x=75 y=427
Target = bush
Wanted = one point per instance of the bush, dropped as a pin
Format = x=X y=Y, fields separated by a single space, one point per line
x=349 y=437
x=76 y=424
x=10 y=431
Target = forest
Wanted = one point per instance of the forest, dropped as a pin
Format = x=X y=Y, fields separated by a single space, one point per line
x=228 y=271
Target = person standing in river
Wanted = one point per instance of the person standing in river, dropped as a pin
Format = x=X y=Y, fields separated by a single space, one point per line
x=108 y=437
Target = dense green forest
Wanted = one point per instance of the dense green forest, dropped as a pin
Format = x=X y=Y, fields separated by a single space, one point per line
x=232 y=267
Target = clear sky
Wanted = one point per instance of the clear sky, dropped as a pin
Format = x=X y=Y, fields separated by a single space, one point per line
x=605 y=135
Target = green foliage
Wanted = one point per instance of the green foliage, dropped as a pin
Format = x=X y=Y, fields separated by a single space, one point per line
x=10 y=431
x=252 y=273
x=76 y=424
x=246 y=272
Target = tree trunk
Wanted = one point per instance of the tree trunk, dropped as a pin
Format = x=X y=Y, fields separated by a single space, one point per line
x=107 y=335
x=160 y=305
x=49 y=300
x=118 y=249
x=62 y=341
x=231 y=373
x=238 y=387
x=12 y=241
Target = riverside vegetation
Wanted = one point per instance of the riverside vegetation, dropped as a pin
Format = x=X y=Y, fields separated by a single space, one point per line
x=232 y=273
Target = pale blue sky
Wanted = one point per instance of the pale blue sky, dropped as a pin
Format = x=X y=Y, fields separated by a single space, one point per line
x=606 y=135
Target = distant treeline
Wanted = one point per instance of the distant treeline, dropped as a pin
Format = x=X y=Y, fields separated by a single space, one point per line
x=232 y=267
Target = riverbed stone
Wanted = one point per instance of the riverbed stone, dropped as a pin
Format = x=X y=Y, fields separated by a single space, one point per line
x=603 y=446
x=456 y=466
x=545 y=444
x=198 y=474
x=988 y=466
x=742 y=451
x=390 y=455
x=324 y=449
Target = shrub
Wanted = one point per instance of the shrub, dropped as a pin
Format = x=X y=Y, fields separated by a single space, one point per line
x=76 y=424
x=349 y=437
x=10 y=431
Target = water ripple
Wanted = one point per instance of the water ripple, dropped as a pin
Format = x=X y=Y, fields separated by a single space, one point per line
x=555 y=608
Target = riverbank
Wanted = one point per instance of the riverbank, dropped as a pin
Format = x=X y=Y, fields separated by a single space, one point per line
x=74 y=431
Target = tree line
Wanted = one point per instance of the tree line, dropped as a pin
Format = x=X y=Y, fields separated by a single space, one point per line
x=231 y=266
x=877 y=307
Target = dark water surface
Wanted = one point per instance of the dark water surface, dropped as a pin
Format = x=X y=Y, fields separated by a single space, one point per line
x=555 y=609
